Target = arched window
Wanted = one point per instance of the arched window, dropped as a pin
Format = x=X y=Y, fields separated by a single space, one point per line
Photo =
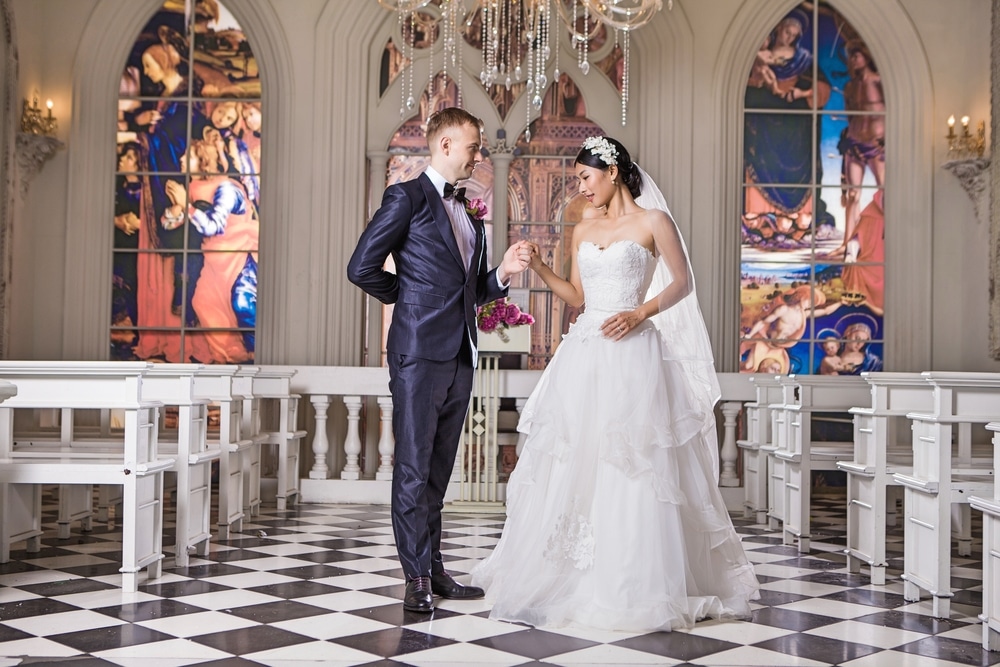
x=812 y=253
x=187 y=191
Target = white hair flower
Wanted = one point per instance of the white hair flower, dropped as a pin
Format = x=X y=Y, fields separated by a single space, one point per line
x=602 y=148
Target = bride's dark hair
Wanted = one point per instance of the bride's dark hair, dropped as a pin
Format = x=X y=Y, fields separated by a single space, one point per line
x=627 y=169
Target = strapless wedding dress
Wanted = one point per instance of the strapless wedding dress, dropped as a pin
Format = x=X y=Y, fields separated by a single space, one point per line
x=614 y=517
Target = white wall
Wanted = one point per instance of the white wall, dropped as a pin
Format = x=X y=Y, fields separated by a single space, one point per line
x=953 y=39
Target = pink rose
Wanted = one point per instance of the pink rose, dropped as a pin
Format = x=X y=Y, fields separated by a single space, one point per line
x=476 y=208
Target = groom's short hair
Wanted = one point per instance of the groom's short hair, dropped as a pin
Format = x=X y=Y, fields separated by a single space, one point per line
x=448 y=118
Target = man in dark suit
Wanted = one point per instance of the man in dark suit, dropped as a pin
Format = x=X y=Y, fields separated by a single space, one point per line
x=442 y=276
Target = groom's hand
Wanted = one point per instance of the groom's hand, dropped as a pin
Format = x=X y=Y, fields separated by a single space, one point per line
x=515 y=260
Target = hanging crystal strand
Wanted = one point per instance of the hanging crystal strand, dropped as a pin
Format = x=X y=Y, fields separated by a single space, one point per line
x=458 y=11
x=483 y=40
x=546 y=52
x=518 y=72
x=410 y=101
x=529 y=86
x=625 y=82
x=585 y=42
x=514 y=50
x=445 y=21
x=406 y=102
x=555 y=49
x=430 y=75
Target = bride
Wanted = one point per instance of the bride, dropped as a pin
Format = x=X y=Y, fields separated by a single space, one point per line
x=614 y=517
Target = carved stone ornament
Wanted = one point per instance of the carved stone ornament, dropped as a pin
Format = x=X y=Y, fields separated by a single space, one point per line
x=33 y=151
x=973 y=174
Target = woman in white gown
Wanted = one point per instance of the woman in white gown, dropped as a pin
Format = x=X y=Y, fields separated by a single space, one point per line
x=614 y=517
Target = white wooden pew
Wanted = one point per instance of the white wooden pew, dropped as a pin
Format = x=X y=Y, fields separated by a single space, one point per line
x=941 y=477
x=990 y=507
x=758 y=437
x=778 y=441
x=136 y=465
x=279 y=425
x=174 y=385
x=215 y=384
x=806 y=396
x=881 y=449
x=250 y=430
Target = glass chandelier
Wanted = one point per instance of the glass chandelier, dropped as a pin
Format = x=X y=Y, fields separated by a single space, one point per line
x=520 y=38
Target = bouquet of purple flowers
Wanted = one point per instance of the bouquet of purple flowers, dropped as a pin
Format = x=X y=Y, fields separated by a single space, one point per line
x=499 y=315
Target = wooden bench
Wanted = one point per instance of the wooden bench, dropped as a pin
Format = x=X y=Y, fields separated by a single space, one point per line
x=990 y=507
x=945 y=471
x=250 y=430
x=136 y=465
x=216 y=385
x=279 y=425
x=882 y=448
x=806 y=397
x=754 y=446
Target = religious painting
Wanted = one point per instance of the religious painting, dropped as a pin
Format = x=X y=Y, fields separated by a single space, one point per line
x=187 y=191
x=814 y=168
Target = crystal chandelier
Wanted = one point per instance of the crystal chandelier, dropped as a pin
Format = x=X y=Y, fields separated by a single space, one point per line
x=520 y=38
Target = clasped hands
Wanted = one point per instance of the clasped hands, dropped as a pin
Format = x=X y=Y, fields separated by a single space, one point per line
x=516 y=259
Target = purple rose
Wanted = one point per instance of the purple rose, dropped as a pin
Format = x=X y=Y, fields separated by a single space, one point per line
x=476 y=208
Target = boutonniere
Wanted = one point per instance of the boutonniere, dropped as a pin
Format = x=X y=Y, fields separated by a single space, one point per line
x=476 y=208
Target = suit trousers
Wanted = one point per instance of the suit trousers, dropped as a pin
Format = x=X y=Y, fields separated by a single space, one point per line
x=430 y=400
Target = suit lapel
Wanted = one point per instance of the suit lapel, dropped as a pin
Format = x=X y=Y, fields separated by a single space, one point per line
x=440 y=217
x=480 y=248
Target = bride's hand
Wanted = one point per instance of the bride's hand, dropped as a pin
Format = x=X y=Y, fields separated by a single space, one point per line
x=535 y=260
x=617 y=326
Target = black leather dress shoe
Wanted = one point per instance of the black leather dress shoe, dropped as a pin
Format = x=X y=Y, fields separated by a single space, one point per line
x=442 y=584
x=418 y=595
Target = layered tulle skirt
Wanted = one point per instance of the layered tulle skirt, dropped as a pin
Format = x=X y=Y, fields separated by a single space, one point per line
x=614 y=517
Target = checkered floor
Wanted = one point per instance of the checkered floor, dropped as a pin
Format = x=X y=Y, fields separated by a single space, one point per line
x=320 y=583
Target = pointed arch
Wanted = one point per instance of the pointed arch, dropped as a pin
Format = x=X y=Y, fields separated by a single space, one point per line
x=894 y=42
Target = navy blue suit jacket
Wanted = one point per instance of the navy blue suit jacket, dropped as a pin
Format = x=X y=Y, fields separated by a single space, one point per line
x=435 y=297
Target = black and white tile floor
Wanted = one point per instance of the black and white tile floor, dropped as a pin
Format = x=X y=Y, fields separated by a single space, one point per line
x=321 y=584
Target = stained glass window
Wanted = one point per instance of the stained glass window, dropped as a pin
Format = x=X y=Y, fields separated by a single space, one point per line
x=812 y=274
x=187 y=191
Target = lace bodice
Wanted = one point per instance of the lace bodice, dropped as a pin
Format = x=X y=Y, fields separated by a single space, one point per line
x=614 y=279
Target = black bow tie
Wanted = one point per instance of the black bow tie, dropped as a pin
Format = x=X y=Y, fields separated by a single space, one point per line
x=451 y=191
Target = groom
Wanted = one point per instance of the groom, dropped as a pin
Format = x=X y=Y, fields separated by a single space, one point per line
x=441 y=277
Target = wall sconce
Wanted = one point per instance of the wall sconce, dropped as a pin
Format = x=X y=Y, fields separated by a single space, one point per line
x=966 y=161
x=964 y=146
x=32 y=121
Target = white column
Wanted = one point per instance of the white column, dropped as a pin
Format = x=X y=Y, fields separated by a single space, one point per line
x=386 y=443
x=729 y=453
x=352 y=443
x=500 y=156
x=320 y=444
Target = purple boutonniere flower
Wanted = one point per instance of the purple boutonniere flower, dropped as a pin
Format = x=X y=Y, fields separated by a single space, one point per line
x=476 y=208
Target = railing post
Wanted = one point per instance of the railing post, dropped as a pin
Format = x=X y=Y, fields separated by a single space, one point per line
x=352 y=443
x=386 y=443
x=320 y=443
x=729 y=453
